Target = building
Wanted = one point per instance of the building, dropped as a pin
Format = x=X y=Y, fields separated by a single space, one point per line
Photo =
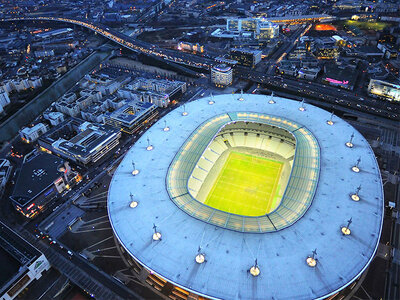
x=31 y=134
x=191 y=47
x=384 y=90
x=21 y=84
x=158 y=92
x=79 y=141
x=221 y=75
x=21 y=263
x=44 y=53
x=4 y=100
x=256 y=28
x=55 y=117
x=287 y=67
x=246 y=57
x=266 y=30
x=42 y=177
x=132 y=116
x=299 y=52
x=53 y=33
x=185 y=249
x=327 y=52
x=5 y=172
x=308 y=73
x=341 y=76
x=369 y=53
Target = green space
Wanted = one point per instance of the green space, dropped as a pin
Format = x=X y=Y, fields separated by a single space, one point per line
x=377 y=26
x=246 y=185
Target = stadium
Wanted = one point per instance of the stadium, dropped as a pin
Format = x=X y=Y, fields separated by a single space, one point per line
x=248 y=197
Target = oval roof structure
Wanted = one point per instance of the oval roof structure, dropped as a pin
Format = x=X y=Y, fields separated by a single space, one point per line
x=282 y=271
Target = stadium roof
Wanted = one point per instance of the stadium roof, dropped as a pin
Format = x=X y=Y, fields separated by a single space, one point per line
x=281 y=255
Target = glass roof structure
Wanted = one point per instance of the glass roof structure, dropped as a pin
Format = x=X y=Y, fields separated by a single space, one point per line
x=296 y=199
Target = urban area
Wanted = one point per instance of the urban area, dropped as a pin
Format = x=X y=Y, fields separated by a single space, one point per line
x=134 y=135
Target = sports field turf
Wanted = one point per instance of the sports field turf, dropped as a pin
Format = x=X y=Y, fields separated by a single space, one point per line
x=246 y=185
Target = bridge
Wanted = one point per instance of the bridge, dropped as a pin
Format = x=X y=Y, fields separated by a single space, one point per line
x=166 y=55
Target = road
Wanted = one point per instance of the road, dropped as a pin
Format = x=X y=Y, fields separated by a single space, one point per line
x=92 y=280
x=323 y=93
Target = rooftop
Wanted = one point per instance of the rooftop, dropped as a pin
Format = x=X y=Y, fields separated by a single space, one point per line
x=83 y=143
x=15 y=253
x=131 y=112
x=229 y=254
x=36 y=174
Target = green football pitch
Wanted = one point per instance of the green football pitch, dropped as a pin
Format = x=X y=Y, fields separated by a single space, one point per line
x=246 y=185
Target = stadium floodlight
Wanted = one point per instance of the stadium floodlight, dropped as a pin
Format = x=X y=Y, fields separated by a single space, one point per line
x=211 y=101
x=135 y=171
x=185 y=113
x=355 y=196
x=149 y=146
x=350 y=143
x=312 y=260
x=271 y=100
x=356 y=168
x=166 y=128
x=302 y=107
x=133 y=203
x=200 y=257
x=156 y=234
x=330 y=121
x=255 y=270
x=346 y=229
x=241 y=98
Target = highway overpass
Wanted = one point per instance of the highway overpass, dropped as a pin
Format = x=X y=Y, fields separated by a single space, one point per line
x=171 y=56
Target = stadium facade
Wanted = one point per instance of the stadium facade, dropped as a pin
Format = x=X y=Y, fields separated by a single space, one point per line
x=317 y=241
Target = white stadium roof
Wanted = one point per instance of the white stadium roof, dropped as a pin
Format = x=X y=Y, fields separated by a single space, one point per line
x=229 y=254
